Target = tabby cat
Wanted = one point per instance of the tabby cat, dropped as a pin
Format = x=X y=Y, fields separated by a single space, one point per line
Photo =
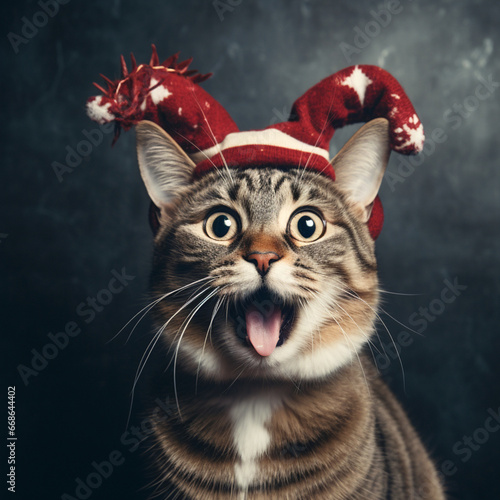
x=266 y=290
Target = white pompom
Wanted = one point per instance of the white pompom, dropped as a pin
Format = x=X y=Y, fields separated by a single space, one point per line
x=99 y=112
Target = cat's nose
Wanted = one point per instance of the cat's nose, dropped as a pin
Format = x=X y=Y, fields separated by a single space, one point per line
x=262 y=260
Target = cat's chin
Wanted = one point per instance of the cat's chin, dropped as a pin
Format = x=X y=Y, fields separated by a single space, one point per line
x=263 y=321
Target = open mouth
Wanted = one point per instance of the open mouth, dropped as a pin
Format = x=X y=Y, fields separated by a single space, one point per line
x=263 y=321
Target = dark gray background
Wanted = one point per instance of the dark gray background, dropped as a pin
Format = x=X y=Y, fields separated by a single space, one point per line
x=60 y=241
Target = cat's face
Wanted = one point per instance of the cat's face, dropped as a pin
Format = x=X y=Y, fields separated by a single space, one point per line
x=274 y=269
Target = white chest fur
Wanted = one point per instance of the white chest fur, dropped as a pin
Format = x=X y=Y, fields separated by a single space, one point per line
x=251 y=417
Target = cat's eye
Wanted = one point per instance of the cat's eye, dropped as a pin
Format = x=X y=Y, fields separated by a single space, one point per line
x=221 y=226
x=306 y=226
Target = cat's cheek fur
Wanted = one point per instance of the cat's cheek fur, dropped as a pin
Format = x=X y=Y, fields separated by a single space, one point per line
x=282 y=281
x=308 y=354
x=206 y=360
x=241 y=281
x=321 y=363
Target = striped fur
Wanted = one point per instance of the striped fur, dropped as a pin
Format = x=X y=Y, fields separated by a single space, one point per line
x=311 y=421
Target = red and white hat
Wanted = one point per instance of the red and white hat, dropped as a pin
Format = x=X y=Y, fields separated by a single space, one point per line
x=169 y=95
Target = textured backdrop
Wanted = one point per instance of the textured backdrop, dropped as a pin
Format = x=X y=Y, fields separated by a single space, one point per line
x=64 y=236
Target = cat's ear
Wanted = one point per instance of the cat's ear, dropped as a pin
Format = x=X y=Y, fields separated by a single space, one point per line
x=165 y=167
x=360 y=165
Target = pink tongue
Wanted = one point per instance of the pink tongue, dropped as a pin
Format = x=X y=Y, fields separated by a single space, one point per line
x=263 y=331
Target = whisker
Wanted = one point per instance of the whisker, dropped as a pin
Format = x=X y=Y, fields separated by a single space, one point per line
x=235 y=379
x=148 y=307
x=346 y=337
x=365 y=335
x=380 y=290
x=188 y=320
x=355 y=352
x=151 y=346
x=152 y=343
x=399 y=322
x=209 y=331
x=319 y=136
x=162 y=329
x=152 y=304
x=207 y=279
x=213 y=136
x=356 y=296
x=195 y=146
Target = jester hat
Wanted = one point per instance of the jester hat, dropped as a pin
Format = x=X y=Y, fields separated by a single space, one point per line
x=169 y=94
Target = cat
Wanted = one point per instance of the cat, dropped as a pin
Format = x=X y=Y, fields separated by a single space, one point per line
x=265 y=288
x=266 y=294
